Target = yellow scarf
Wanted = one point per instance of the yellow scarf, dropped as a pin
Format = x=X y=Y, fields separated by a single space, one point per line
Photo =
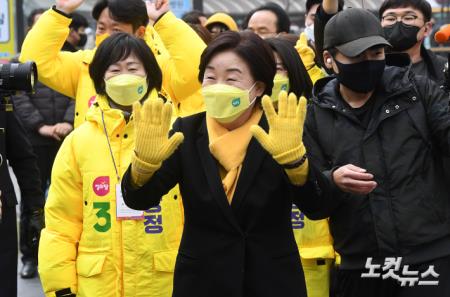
x=229 y=149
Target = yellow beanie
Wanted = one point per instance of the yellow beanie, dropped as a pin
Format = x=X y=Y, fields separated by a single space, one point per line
x=222 y=18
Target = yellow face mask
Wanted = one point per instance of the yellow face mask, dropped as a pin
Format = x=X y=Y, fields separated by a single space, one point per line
x=100 y=38
x=125 y=89
x=280 y=83
x=226 y=103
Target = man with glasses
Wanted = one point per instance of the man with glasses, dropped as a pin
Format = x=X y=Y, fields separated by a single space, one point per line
x=406 y=24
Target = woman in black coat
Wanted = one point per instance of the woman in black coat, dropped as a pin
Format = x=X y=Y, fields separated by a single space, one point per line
x=237 y=189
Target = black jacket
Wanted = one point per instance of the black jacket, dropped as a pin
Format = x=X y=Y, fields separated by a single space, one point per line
x=246 y=249
x=44 y=107
x=16 y=149
x=408 y=214
x=434 y=63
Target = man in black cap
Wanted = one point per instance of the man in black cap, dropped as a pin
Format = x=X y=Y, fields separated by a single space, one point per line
x=379 y=133
x=406 y=24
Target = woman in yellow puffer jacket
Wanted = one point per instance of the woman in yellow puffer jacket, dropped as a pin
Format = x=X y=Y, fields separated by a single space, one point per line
x=313 y=237
x=93 y=245
x=167 y=38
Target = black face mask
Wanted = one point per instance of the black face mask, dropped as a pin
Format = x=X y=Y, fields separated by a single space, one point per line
x=83 y=40
x=401 y=36
x=361 y=77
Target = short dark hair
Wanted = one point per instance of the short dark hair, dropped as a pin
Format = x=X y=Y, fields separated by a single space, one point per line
x=421 y=5
x=132 y=12
x=283 y=21
x=32 y=15
x=193 y=17
x=299 y=80
x=117 y=47
x=250 y=48
x=78 y=21
x=311 y=3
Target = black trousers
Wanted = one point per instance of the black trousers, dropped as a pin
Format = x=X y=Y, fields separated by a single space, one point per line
x=350 y=284
x=45 y=157
x=8 y=253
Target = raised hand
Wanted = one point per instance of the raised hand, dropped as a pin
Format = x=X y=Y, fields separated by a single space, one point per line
x=68 y=6
x=284 y=140
x=156 y=8
x=306 y=53
x=152 y=123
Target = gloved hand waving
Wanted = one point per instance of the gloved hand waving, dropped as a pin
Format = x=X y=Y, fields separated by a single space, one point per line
x=306 y=53
x=284 y=140
x=152 y=145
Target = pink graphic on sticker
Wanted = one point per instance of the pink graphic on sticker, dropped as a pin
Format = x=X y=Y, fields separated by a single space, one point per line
x=91 y=101
x=101 y=186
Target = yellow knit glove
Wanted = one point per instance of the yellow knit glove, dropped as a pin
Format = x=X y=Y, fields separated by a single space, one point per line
x=152 y=145
x=284 y=140
x=306 y=53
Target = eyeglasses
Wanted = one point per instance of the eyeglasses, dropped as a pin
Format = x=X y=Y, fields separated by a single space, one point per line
x=407 y=19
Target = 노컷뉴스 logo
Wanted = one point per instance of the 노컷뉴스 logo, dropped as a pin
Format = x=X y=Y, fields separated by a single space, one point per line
x=101 y=186
x=404 y=274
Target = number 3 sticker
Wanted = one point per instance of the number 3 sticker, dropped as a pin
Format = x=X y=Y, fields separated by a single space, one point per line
x=103 y=208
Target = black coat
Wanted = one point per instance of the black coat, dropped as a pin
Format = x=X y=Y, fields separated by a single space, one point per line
x=16 y=149
x=408 y=214
x=44 y=107
x=434 y=64
x=246 y=249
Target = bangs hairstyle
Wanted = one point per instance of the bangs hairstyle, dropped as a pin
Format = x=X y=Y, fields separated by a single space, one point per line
x=421 y=5
x=133 y=12
x=249 y=47
x=118 y=47
x=299 y=80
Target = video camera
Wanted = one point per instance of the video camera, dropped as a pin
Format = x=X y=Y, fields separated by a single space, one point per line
x=16 y=77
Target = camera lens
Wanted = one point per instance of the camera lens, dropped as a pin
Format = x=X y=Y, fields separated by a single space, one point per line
x=18 y=77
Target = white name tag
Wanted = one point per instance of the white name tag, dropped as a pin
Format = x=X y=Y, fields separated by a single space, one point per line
x=123 y=212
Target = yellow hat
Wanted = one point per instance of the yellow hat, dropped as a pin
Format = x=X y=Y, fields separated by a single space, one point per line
x=222 y=18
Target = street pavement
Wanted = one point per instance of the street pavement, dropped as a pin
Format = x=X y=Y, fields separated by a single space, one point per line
x=28 y=287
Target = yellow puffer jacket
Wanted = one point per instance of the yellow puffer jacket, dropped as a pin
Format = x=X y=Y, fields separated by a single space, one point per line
x=83 y=246
x=68 y=73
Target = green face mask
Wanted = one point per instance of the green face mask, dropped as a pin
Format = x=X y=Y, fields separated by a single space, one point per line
x=125 y=89
x=280 y=83
x=226 y=103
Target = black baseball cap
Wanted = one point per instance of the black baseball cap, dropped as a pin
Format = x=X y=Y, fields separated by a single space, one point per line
x=352 y=31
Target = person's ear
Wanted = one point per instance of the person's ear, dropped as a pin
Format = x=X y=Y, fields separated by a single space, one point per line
x=328 y=59
x=428 y=29
x=140 y=32
x=259 y=88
